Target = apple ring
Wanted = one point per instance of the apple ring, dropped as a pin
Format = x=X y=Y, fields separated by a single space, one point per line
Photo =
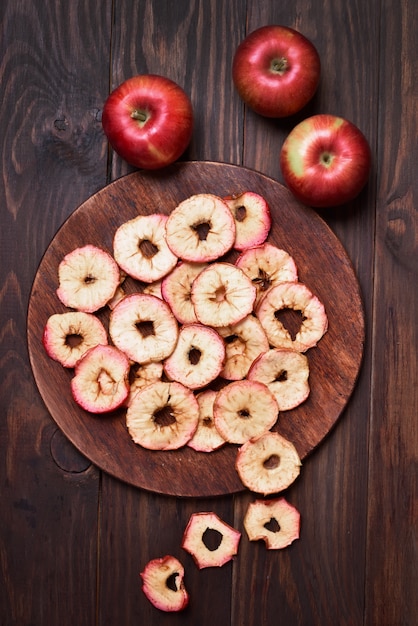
x=275 y=521
x=163 y=416
x=285 y=372
x=296 y=296
x=244 y=342
x=88 y=278
x=267 y=265
x=268 y=464
x=222 y=295
x=201 y=228
x=244 y=409
x=140 y=248
x=197 y=358
x=143 y=327
x=67 y=336
x=194 y=540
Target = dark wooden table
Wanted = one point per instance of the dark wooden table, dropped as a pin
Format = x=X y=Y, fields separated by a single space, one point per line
x=72 y=538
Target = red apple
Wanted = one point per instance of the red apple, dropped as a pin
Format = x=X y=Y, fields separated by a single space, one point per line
x=325 y=161
x=276 y=71
x=148 y=120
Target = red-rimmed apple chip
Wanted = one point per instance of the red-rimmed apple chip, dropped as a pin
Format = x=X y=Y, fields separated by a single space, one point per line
x=267 y=265
x=67 y=336
x=197 y=536
x=141 y=250
x=162 y=416
x=207 y=437
x=244 y=342
x=286 y=374
x=222 y=295
x=201 y=228
x=268 y=464
x=163 y=584
x=298 y=297
x=88 y=278
x=176 y=290
x=143 y=327
x=197 y=358
x=275 y=521
x=244 y=409
x=100 y=383
x=252 y=219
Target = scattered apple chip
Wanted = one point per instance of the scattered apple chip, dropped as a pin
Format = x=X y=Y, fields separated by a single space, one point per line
x=275 y=521
x=142 y=375
x=163 y=584
x=197 y=537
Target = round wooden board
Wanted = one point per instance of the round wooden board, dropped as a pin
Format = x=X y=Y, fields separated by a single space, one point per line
x=323 y=266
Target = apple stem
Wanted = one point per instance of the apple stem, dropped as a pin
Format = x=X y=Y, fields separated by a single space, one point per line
x=279 y=66
x=138 y=114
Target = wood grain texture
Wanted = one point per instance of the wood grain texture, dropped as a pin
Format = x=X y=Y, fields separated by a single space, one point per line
x=53 y=80
x=393 y=510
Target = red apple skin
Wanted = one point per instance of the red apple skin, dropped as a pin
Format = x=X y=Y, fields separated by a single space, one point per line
x=148 y=120
x=276 y=71
x=325 y=161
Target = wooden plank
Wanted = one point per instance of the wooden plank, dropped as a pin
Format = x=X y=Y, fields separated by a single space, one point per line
x=392 y=566
x=54 y=74
x=191 y=43
x=320 y=578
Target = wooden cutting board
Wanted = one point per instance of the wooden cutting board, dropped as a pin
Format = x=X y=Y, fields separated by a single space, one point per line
x=323 y=266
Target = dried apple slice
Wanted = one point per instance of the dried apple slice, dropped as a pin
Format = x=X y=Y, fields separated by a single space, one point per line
x=298 y=297
x=162 y=416
x=195 y=540
x=244 y=342
x=207 y=438
x=143 y=327
x=200 y=229
x=163 y=584
x=88 y=278
x=197 y=358
x=286 y=374
x=141 y=250
x=275 y=521
x=142 y=375
x=267 y=265
x=100 y=383
x=268 y=464
x=67 y=336
x=222 y=295
x=176 y=290
x=252 y=219
x=244 y=409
